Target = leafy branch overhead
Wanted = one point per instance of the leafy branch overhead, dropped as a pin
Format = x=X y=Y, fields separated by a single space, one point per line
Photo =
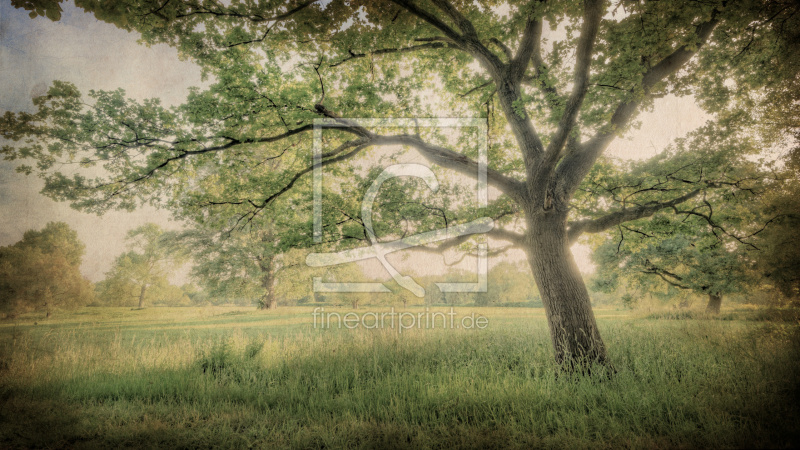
x=553 y=104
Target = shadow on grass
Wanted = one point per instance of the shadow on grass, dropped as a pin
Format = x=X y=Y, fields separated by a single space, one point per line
x=27 y=422
x=674 y=387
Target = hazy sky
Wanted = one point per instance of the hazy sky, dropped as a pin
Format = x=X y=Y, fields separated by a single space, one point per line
x=95 y=55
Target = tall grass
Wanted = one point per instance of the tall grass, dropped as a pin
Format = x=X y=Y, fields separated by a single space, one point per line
x=270 y=380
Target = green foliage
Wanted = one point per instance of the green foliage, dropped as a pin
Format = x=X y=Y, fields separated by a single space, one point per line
x=244 y=141
x=48 y=8
x=779 y=261
x=242 y=261
x=707 y=244
x=140 y=275
x=232 y=266
x=510 y=284
x=628 y=300
x=55 y=238
x=42 y=271
x=222 y=150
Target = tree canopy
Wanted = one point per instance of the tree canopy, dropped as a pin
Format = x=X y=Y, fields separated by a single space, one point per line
x=552 y=107
x=42 y=271
x=708 y=247
x=140 y=274
x=779 y=261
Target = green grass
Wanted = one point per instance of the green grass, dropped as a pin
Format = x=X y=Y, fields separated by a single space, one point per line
x=199 y=378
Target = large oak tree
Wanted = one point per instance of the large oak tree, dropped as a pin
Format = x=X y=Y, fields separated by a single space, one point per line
x=552 y=106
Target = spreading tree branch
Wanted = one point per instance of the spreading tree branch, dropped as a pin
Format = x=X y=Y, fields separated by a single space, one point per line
x=431 y=19
x=385 y=51
x=529 y=46
x=663 y=274
x=186 y=153
x=503 y=47
x=223 y=12
x=461 y=22
x=450 y=159
x=625 y=215
x=593 y=12
x=577 y=164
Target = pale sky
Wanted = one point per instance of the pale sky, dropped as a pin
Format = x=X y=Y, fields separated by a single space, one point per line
x=93 y=55
x=96 y=55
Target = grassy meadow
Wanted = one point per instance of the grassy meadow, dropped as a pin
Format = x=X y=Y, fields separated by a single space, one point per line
x=241 y=378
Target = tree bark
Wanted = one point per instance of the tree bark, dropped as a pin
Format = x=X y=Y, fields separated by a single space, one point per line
x=714 y=303
x=267 y=282
x=268 y=301
x=573 y=329
x=141 y=295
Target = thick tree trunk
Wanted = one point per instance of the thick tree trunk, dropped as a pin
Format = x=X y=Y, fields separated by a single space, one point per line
x=271 y=303
x=354 y=304
x=714 y=303
x=573 y=328
x=268 y=301
x=141 y=295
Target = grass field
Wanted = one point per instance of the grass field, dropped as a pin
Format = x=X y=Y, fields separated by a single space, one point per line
x=237 y=377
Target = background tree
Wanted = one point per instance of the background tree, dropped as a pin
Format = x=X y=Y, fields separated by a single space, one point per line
x=42 y=271
x=350 y=273
x=707 y=246
x=779 y=261
x=142 y=272
x=196 y=295
x=237 y=265
x=244 y=261
x=508 y=284
x=700 y=264
x=553 y=109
